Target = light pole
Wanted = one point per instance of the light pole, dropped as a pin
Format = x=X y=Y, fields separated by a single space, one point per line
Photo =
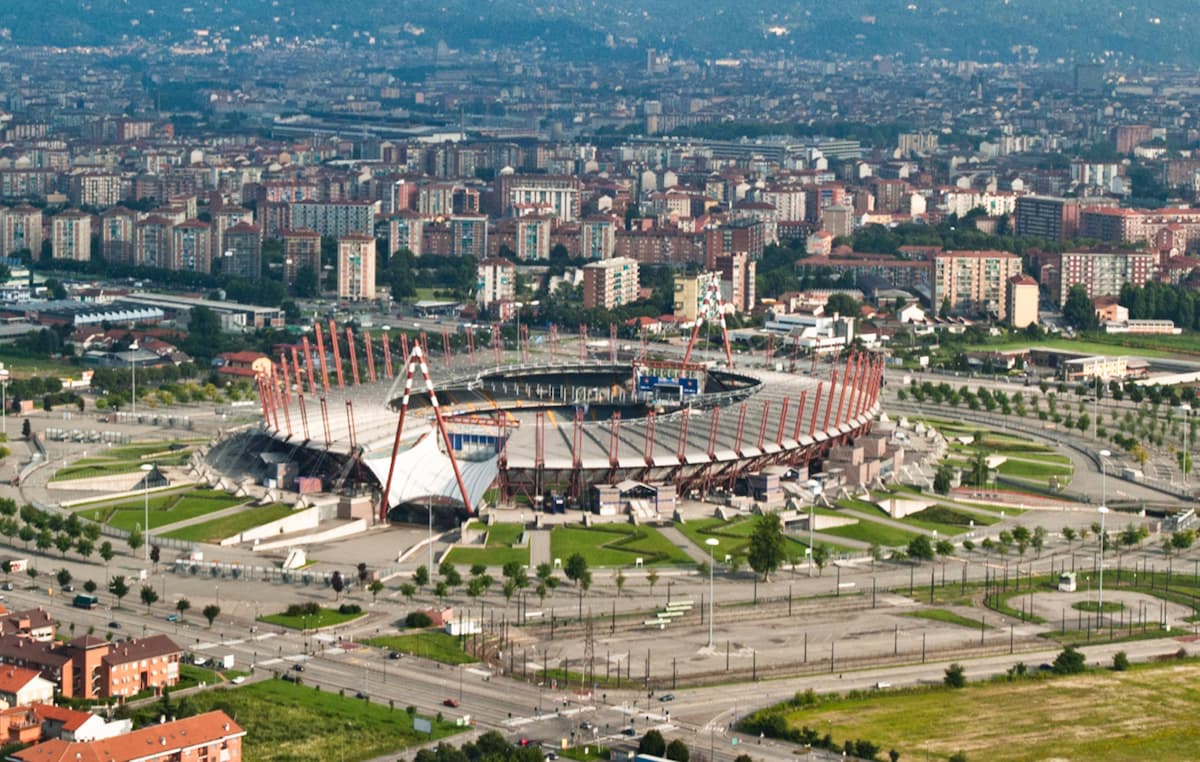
x=1104 y=477
x=133 y=347
x=812 y=520
x=1100 y=606
x=712 y=543
x=4 y=408
x=147 y=469
x=429 y=512
x=1186 y=409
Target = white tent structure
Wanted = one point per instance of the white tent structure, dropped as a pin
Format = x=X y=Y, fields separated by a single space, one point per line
x=424 y=471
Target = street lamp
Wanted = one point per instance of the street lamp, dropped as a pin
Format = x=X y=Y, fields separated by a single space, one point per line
x=1104 y=477
x=4 y=408
x=133 y=347
x=147 y=469
x=712 y=543
x=1100 y=606
x=1186 y=409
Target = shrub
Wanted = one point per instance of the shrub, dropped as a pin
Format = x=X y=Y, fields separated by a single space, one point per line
x=1069 y=662
x=310 y=608
x=349 y=608
x=956 y=676
x=417 y=619
x=1120 y=661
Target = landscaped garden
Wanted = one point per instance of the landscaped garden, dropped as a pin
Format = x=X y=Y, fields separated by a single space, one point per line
x=164 y=509
x=615 y=545
x=229 y=526
x=430 y=644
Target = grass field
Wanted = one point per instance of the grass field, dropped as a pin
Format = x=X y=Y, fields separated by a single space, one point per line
x=435 y=645
x=870 y=531
x=287 y=722
x=615 y=545
x=1030 y=469
x=23 y=364
x=734 y=536
x=1144 y=713
x=499 y=550
x=323 y=618
x=164 y=509
x=228 y=526
x=947 y=617
x=125 y=459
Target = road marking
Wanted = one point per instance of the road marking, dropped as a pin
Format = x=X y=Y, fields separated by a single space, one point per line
x=232 y=642
x=203 y=646
x=269 y=662
x=480 y=672
x=265 y=635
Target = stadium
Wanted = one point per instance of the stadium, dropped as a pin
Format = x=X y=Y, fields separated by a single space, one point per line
x=564 y=420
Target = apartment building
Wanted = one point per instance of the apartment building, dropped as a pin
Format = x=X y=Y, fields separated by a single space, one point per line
x=71 y=236
x=22 y=230
x=610 y=283
x=1022 y=305
x=191 y=247
x=974 y=282
x=597 y=238
x=301 y=249
x=1101 y=273
x=356 y=267
x=406 y=229
x=241 y=253
x=496 y=282
x=118 y=236
x=209 y=737
x=556 y=195
x=335 y=219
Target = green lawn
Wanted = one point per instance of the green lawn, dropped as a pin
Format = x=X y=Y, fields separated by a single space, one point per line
x=286 y=722
x=947 y=617
x=190 y=676
x=947 y=521
x=23 y=363
x=734 y=536
x=615 y=545
x=431 y=644
x=1029 y=469
x=869 y=531
x=228 y=526
x=125 y=459
x=500 y=548
x=1144 y=713
x=164 y=509
x=323 y=618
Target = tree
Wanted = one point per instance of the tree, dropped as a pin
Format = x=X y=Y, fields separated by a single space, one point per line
x=677 y=750
x=63 y=542
x=119 y=587
x=376 y=587
x=652 y=743
x=544 y=571
x=182 y=605
x=155 y=555
x=1069 y=661
x=1078 y=310
x=211 y=612
x=1069 y=535
x=149 y=597
x=106 y=551
x=944 y=548
x=651 y=580
x=508 y=589
x=820 y=557
x=956 y=676
x=136 y=539
x=338 y=584
x=619 y=580
x=90 y=586
x=421 y=576
x=767 y=548
x=943 y=479
x=408 y=590
x=842 y=304
x=84 y=547
x=920 y=548
x=26 y=533
x=576 y=567
x=44 y=540
x=63 y=576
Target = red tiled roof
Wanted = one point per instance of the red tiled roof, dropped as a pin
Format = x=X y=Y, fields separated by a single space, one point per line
x=153 y=740
x=13 y=679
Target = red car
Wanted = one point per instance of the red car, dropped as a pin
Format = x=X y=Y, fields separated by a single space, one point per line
x=451 y=703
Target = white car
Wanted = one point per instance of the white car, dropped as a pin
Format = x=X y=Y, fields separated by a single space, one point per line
x=238 y=680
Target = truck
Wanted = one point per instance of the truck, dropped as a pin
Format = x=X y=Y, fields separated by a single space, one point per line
x=85 y=601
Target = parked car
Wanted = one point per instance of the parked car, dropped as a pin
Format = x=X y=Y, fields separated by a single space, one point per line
x=451 y=702
x=667 y=697
x=298 y=667
x=172 y=617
